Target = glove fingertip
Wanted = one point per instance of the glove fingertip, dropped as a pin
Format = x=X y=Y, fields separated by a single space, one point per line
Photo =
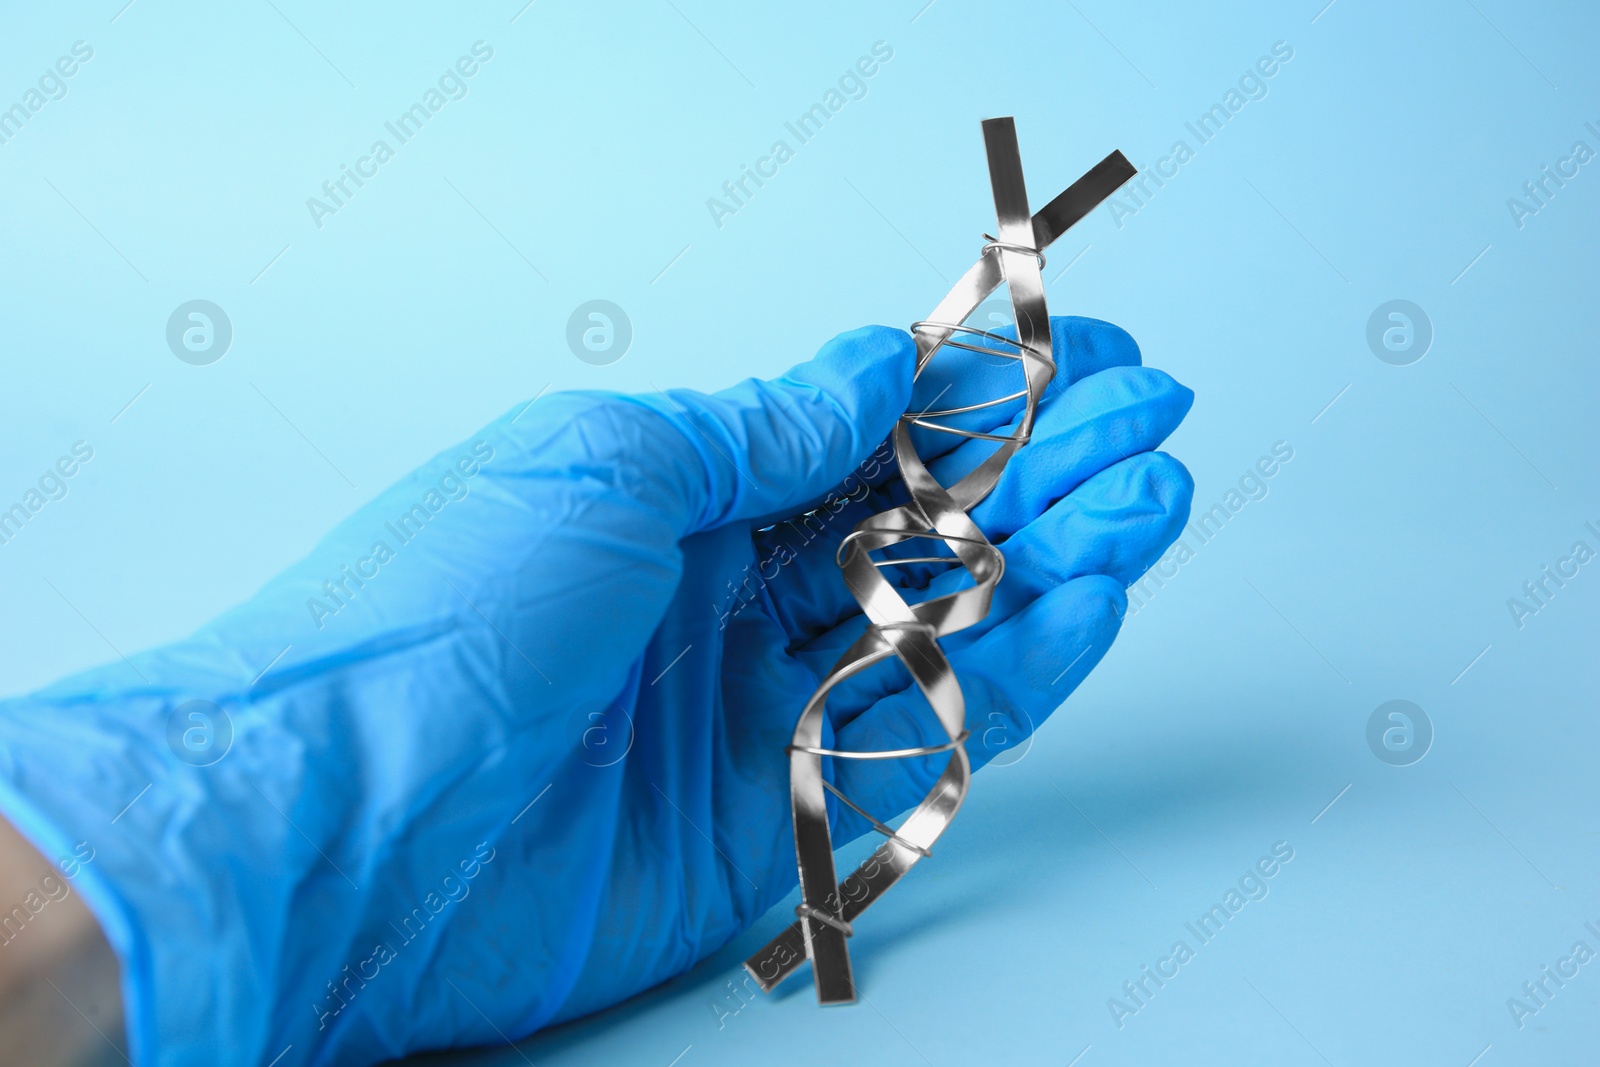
x=1102 y=600
x=1052 y=643
x=1085 y=346
x=1178 y=485
x=869 y=371
x=1179 y=396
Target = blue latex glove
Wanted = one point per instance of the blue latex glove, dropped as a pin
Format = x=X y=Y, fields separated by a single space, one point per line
x=523 y=757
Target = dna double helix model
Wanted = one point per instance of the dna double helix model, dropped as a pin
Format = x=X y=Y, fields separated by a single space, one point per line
x=934 y=513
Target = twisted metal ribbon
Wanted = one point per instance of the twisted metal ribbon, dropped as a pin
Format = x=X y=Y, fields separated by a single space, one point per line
x=910 y=631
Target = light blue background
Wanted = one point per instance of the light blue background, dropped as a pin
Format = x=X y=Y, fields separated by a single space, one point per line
x=1233 y=707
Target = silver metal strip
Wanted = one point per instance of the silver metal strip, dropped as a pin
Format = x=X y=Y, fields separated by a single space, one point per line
x=910 y=631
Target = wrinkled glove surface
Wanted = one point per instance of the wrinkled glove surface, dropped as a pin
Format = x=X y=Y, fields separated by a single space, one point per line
x=524 y=756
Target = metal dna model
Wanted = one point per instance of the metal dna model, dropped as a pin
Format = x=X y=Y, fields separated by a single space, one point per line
x=910 y=632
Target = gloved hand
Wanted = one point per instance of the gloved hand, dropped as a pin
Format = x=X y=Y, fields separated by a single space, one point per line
x=508 y=746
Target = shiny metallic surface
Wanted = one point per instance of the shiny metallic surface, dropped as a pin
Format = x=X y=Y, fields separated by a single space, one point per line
x=910 y=631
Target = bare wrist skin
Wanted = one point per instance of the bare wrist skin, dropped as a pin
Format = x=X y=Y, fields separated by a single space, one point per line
x=60 y=1005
